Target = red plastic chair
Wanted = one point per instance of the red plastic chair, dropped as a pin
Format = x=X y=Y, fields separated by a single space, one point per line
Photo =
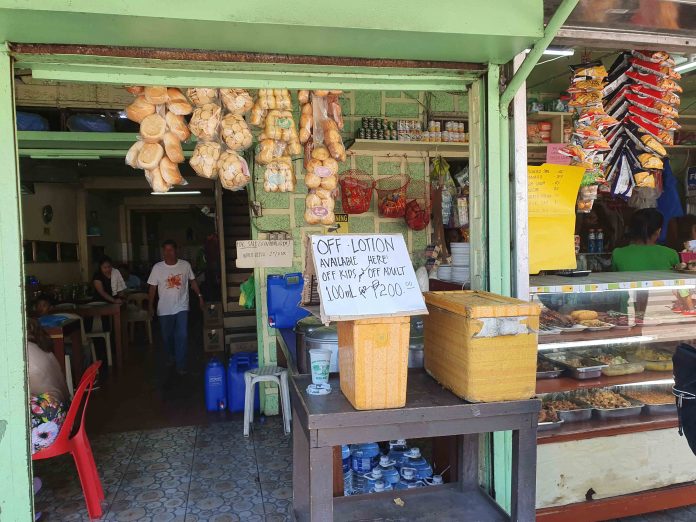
x=72 y=439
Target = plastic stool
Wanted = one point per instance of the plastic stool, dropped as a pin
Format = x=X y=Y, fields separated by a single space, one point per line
x=266 y=374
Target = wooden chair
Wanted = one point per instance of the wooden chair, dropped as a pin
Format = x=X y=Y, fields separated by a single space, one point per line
x=138 y=313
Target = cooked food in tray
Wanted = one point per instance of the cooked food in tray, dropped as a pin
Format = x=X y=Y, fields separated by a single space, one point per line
x=550 y=319
x=651 y=396
x=606 y=399
x=595 y=323
x=545 y=366
x=583 y=315
x=652 y=354
x=573 y=360
x=610 y=359
x=548 y=413
x=615 y=318
x=562 y=405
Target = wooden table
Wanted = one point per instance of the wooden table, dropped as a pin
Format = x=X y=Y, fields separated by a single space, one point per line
x=320 y=423
x=119 y=326
x=69 y=329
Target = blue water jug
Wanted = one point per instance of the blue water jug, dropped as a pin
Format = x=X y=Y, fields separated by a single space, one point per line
x=364 y=458
x=397 y=452
x=389 y=472
x=215 y=386
x=238 y=364
x=417 y=462
x=380 y=486
x=283 y=296
x=347 y=472
x=408 y=479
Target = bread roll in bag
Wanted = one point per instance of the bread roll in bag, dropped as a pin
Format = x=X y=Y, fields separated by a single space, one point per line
x=152 y=128
x=132 y=154
x=156 y=181
x=150 y=155
x=156 y=95
x=177 y=125
x=139 y=109
x=172 y=147
x=170 y=172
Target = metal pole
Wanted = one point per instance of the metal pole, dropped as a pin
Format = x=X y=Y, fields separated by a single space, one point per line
x=555 y=23
x=15 y=470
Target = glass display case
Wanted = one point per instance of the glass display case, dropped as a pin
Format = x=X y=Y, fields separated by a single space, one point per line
x=605 y=350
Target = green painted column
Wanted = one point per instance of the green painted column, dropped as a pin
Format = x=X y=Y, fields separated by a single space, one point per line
x=15 y=463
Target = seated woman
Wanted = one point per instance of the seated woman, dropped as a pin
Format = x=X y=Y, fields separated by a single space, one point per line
x=47 y=389
x=108 y=282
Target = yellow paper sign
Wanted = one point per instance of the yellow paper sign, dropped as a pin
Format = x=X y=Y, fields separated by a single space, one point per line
x=552 y=191
x=340 y=226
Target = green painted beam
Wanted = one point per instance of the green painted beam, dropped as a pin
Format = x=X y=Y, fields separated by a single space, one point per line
x=15 y=463
x=495 y=181
x=454 y=30
x=143 y=71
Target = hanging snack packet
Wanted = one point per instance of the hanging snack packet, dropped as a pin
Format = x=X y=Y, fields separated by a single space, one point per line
x=660 y=57
x=654 y=81
x=655 y=68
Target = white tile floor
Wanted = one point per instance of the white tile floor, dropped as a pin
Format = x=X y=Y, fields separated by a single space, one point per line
x=194 y=473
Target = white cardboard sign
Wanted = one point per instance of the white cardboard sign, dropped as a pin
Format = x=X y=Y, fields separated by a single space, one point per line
x=365 y=275
x=264 y=253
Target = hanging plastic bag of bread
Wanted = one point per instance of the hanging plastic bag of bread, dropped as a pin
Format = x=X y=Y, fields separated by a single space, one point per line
x=258 y=115
x=306 y=122
x=265 y=99
x=156 y=181
x=205 y=157
x=236 y=101
x=333 y=140
x=303 y=96
x=201 y=95
x=321 y=170
x=173 y=148
x=135 y=90
x=270 y=150
x=132 y=154
x=205 y=121
x=170 y=172
x=334 y=110
x=234 y=132
x=283 y=99
x=140 y=109
x=319 y=208
x=279 y=176
x=177 y=102
x=149 y=155
x=152 y=128
x=177 y=125
x=233 y=171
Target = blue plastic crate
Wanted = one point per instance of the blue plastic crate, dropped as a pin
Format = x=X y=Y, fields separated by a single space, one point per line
x=238 y=364
x=284 y=293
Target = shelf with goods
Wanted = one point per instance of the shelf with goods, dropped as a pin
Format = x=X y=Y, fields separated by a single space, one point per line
x=558 y=121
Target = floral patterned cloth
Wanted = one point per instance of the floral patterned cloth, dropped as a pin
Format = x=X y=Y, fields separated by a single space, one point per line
x=47 y=417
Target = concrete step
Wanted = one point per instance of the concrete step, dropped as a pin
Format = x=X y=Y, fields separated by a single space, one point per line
x=237 y=277
x=237 y=323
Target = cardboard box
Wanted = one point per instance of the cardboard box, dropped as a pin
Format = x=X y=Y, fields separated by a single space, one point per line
x=214 y=339
x=213 y=315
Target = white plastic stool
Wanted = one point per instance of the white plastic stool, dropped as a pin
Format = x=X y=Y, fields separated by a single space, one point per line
x=266 y=374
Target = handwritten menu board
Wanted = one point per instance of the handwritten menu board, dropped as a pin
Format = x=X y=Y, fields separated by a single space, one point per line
x=264 y=253
x=365 y=276
x=552 y=191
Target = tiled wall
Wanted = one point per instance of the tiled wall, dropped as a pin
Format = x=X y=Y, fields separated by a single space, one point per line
x=285 y=211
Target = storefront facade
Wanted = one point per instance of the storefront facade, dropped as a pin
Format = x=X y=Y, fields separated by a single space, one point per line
x=459 y=47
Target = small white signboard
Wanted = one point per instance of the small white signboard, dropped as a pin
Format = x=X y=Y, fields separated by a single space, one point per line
x=365 y=275
x=264 y=253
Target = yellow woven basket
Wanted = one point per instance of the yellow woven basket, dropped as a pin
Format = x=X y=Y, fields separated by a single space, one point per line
x=462 y=355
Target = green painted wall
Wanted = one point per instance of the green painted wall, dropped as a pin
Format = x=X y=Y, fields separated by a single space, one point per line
x=285 y=212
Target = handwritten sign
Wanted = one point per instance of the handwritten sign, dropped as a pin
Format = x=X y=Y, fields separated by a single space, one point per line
x=555 y=157
x=365 y=275
x=552 y=191
x=264 y=253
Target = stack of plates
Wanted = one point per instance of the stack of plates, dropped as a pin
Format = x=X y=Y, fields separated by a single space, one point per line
x=460 y=262
x=444 y=272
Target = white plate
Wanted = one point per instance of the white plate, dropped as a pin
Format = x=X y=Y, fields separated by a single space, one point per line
x=600 y=328
x=574 y=328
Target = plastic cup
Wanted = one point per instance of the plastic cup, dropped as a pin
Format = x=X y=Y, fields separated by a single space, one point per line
x=319 y=362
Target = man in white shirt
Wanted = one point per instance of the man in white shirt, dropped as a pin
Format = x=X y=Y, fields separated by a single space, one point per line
x=170 y=279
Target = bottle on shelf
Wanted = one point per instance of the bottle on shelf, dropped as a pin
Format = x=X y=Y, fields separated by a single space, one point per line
x=591 y=241
x=599 y=241
x=418 y=463
x=388 y=470
x=408 y=479
x=397 y=452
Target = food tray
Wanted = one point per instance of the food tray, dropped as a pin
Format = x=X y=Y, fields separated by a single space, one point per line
x=619 y=413
x=652 y=409
x=546 y=426
x=550 y=374
x=583 y=413
x=611 y=370
x=591 y=368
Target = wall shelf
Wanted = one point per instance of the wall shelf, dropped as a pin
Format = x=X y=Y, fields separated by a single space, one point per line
x=416 y=148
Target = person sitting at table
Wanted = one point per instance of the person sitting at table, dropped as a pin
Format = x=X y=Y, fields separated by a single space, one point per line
x=133 y=282
x=108 y=282
x=48 y=402
x=43 y=305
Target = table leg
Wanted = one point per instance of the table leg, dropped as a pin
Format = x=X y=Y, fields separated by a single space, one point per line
x=76 y=358
x=523 y=487
x=300 y=468
x=321 y=489
x=468 y=463
x=118 y=333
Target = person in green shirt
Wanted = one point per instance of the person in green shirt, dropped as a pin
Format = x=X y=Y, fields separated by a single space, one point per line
x=643 y=253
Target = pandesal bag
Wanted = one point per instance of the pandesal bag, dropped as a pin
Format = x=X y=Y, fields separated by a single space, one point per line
x=684 y=361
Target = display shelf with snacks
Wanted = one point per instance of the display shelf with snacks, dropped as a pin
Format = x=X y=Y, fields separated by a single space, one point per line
x=430 y=149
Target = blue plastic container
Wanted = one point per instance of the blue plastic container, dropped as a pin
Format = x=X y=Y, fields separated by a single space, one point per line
x=397 y=452
x=417 y=462
x=347 y=472
x=215 y=386
x=389 y=472
x=283 y=293
x=238 y=364
x=364 y=457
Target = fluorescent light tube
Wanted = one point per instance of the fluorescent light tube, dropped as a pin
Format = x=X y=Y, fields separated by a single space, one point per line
x=178 y=193
x=550 y=51
x=685 y=67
